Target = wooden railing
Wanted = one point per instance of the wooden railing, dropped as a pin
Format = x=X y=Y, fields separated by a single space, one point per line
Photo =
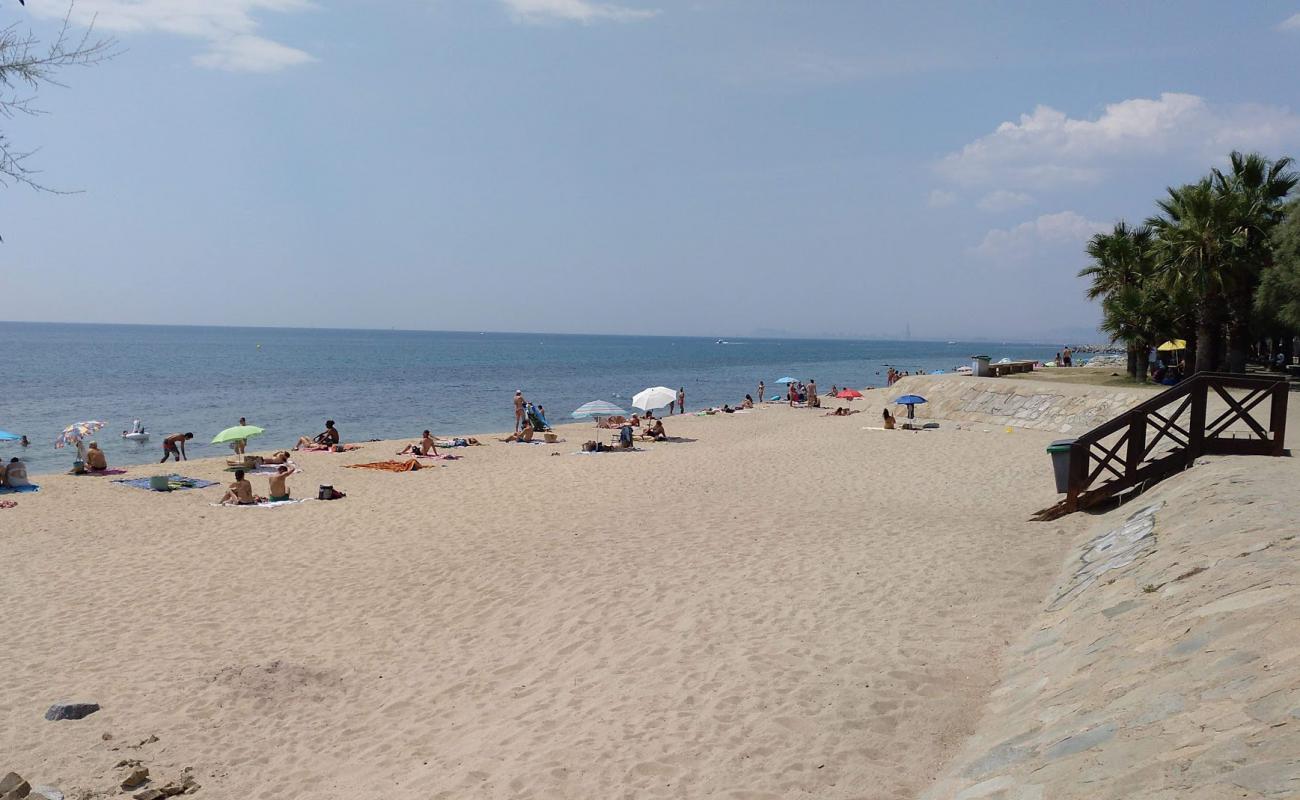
x=1167 y=433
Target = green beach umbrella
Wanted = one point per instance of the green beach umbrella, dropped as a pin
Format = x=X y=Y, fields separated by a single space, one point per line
x=236 y=433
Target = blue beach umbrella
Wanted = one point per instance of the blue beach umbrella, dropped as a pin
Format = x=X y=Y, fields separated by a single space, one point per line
x=786 y=379
x=911 y=401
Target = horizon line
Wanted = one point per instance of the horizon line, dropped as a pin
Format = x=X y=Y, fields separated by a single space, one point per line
x=794 y=336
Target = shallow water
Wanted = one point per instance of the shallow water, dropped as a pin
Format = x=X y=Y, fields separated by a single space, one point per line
x=388 y=384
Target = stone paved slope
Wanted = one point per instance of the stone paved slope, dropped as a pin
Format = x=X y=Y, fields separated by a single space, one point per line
x=1166 y=662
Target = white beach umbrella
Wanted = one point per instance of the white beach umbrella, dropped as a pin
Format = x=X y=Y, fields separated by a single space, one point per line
x=655 y=397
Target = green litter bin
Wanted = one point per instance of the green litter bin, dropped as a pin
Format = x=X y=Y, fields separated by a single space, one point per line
x=1060 y=452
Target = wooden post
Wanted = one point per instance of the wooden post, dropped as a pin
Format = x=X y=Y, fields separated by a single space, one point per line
x=1277 y=419
x=1196 y=423
x=1078 y=473
x=1137 y=444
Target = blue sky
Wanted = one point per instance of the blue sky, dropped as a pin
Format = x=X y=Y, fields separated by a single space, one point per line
x=705 y=168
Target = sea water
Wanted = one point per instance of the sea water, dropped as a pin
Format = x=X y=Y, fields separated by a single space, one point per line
x=389 y=384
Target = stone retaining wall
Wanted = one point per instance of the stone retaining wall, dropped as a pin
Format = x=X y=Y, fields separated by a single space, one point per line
x=1040 y=405
x=1166 y=662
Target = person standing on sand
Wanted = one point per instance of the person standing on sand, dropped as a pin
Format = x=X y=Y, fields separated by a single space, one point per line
x=174 y=445
x=1068 y=356
x=519 y=409
x=681 y=400
x=239 y=444
x=761 y=387
x=812 y=394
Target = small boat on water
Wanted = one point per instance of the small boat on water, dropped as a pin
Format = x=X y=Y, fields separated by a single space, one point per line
x=137 y=433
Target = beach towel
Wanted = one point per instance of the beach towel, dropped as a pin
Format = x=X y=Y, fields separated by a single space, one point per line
x=175 y=483
x=268 y=469
x=440 y=457
x=263 y=504
x=457 y=442
x=389 y=466
x=31 y=487
x=100 y=472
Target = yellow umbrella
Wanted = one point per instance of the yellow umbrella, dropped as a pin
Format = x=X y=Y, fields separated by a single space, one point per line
x=1176 y=344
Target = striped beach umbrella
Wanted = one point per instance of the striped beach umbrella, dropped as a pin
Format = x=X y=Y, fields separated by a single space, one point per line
x=77 y=431
x=597 y=409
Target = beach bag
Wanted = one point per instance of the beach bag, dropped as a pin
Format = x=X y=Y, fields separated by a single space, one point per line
x=328 y=493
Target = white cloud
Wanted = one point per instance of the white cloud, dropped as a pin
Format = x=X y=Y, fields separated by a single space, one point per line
x=940 y=199
x=1003 y=200
x=227 y=26
x=1291 y=23
x=584 y=11
x=1036 y=236
x=1047 y=148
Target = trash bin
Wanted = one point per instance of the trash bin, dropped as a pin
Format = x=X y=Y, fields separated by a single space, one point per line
x=1060 y=452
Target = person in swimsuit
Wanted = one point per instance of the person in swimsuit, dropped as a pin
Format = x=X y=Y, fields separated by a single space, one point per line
x=240 y=493
x=681 y=400
x=425 y=447
x=95 y=460
x=888 y=419
x=278 y=488
x=525 y=435
x=174 y=445
x=519 y=408
x=328 y=438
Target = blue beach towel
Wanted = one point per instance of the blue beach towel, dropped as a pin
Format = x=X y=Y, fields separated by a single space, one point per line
x=175 y=483
x=31 y=487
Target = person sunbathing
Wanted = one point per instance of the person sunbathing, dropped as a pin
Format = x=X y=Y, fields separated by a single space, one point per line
x=95 y=460
x=889 y=420
x=240 y=493
x=278 y=457
x=459 y=441
x=327 y=438
x=525 y=435
x=841 y=412
x=748 y=402
x=14 y=475
x=278 y=489
x=426 y=446
x=655 y=431
x=616 y=421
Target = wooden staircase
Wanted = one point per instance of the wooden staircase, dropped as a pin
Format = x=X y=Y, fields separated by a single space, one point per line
x=1210 y=413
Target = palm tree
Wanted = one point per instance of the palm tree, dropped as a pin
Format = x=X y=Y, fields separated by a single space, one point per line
x=1195 y=235
x=1120 y=258
x=1256 y=188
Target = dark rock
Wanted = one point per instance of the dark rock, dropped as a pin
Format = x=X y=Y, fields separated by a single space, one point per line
x=137 y=778
x=149 y=794
x=13 y=787
x=71 y=711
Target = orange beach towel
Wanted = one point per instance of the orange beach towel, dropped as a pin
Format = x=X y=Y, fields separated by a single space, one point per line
x=389 y=466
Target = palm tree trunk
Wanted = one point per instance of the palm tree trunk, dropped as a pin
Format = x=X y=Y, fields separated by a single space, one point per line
x=1142 y=352
x=1239 y=331
x=1132 y=361
x=1208 y=334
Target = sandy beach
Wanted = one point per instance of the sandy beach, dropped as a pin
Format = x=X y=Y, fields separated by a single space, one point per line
x=783 y=604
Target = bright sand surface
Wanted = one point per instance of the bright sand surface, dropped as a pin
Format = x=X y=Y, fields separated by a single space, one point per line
x=786 y=605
